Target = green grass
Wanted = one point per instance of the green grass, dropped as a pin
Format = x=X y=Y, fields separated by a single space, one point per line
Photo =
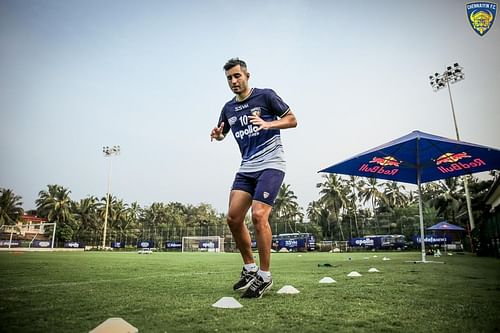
x=173 y=292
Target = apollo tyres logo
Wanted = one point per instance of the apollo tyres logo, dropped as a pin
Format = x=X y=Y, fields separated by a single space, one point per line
x=481 y=16
x=247 y=128
x=453 y=162
x=387 y=165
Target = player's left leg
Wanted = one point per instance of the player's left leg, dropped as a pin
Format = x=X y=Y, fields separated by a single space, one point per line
x=266 y=192
x=263 y=232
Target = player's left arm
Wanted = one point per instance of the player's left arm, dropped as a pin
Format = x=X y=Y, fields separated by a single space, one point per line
x=287 y=121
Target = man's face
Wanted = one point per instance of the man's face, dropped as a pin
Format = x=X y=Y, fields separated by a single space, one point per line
x=237 y=78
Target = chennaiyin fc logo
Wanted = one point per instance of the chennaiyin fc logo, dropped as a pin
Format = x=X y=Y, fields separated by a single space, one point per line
x=481 y=16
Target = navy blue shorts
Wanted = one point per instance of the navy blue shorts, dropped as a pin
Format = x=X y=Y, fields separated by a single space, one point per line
x=262 y=185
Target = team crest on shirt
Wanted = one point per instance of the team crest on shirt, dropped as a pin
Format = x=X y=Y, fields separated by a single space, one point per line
x=265 y=195
x=481 y=16
x=255 y=111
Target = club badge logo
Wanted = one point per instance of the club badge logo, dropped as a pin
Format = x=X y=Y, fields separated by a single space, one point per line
x=265 y=195
x=481 y=16
x=255 y=111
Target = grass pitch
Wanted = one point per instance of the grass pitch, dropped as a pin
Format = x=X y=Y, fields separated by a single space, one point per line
x=173 y=292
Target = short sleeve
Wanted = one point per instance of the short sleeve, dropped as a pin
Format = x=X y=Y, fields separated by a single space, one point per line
x=223 y=119
x=278 y=107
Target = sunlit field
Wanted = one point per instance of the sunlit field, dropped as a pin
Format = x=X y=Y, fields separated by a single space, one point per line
x=174 y=292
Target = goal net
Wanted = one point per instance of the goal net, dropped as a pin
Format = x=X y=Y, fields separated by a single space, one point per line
x=202 y=244
x=35 y=236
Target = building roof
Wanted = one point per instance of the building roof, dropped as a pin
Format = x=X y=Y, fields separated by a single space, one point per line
x=32 y=218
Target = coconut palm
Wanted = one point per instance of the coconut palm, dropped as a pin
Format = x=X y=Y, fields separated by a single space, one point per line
x=119 y=219
x=154 y=216
x=314 y=211
x=449 y=200
x=333 y=196
x=10 y=207
x=319 y=215
x=394 y=195
x=353 y=187
x=85 y=212
x=55 y=204
x=176 y=216
x=286 y=209
x=370 y=192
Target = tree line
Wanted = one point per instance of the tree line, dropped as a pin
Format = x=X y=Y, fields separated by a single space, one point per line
x=347 y=207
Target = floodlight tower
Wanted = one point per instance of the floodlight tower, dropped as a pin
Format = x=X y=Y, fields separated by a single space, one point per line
x=439 y=81
x=108 y=152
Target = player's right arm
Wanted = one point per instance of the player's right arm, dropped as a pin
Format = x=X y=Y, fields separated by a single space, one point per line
x=218 y=133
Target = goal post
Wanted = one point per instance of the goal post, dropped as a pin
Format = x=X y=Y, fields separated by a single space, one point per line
x=202 y=244
x=35 y=236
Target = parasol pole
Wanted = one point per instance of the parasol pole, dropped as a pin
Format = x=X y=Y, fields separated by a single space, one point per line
x=421 y=213
x=420 y=209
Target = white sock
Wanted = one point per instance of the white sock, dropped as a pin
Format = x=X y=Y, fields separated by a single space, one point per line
x=251 y=267
x=266 y=275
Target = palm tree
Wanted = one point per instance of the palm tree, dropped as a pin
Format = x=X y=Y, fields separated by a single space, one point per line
x=353 y=187
x=55 y=204
x=176 y=216
x=154 y=216
x=134 y=214
x=371 y=193
x=319 y=215
x=333 y=196
x=118 y=218
x=286 y=209
x=314 y=211
x=10 y=207
x=448 y=201
x=85 y=212
x=394 y=195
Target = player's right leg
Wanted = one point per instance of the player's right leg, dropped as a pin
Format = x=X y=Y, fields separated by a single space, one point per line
x=239 y=203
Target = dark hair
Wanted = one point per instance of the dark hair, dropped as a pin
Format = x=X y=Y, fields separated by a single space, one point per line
x=234 y=62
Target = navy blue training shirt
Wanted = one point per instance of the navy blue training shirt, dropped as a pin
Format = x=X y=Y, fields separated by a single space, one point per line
x=259 y=149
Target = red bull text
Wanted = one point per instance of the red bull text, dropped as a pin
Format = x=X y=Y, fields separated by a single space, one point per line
x=382 y=162
x=452 y=159
x=378 y=169
x=477 y=162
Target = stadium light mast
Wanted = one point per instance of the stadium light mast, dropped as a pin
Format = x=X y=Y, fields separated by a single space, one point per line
x=439 y=81
x=108 y=152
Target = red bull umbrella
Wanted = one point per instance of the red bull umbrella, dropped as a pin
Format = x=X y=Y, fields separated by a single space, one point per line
x=445 y=226
x=418 y=158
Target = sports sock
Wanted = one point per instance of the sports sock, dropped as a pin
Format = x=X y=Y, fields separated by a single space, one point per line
x=266 y=275
x=251 y=267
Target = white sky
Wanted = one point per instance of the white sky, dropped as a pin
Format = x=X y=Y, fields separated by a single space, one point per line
x=147 y=75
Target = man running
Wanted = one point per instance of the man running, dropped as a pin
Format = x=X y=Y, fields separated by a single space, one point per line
x=255 y=116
